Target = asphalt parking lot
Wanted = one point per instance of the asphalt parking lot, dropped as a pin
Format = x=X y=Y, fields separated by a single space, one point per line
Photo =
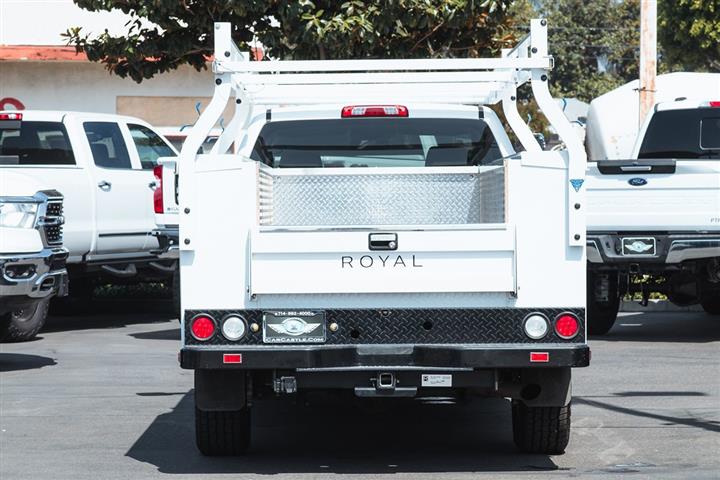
x=101 y=396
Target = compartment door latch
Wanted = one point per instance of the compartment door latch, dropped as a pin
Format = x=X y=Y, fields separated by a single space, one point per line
x=383 y=241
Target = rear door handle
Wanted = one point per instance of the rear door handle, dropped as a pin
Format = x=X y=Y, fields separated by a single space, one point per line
x=105 y=185
x=153 y=186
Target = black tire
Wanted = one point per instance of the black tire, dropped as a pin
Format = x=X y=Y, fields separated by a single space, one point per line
x=709 y=294
x=543 y=430
x=222 y=433
x=711 y=305
x=23 y=325
x=601 y=316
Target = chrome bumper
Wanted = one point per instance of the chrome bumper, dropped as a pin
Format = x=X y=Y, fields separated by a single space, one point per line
x=34 y=275
x=672 y=248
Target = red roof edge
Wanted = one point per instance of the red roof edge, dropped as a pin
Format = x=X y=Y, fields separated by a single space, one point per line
x=40 y=53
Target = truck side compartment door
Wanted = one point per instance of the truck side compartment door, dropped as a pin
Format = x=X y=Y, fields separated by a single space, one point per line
x=122 y=193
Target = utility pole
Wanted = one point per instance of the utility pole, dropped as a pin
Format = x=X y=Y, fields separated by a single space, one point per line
x=648 y=56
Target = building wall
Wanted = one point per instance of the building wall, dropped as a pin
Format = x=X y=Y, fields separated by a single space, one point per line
x=167 y=100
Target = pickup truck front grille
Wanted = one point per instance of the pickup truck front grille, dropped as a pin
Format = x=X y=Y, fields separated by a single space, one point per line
x=53 y=228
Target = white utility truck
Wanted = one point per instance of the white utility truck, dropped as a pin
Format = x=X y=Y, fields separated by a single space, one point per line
x=375 y=232
x=103 y=165
x=32 y=257
x=654 y=220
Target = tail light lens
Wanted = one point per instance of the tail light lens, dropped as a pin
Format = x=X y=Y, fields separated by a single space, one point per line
x=233 y=327
x=536 y=326
x=11 y=116
x=566 y=325
x=714 y=104
x=202 y=327
x=353 y=111
x=158 y=192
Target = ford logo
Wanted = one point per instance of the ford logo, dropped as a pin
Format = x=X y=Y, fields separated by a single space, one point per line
x=637 y=182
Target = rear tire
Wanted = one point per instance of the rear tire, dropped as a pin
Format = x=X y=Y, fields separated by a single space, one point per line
x=601 y=316
x=222 y=433
x=543 y=430
x=711 y=305
x=23 y=325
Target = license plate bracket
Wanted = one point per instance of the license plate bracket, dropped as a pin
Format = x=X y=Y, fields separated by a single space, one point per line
x=294 y=326
x=639 y=246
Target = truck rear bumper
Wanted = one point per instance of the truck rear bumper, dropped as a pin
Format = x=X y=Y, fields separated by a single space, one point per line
x=169 y=246
x=669 y=248
x=385 y=356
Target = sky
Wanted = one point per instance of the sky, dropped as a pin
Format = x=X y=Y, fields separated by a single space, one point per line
x=40 y=22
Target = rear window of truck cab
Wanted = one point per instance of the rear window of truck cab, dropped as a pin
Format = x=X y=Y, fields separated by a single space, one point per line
x=35 y=143
x=683 y=134
x=376 y=142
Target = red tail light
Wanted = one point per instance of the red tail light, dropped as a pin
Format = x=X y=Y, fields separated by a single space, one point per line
x=10 y=116
x=202 y=327
x=715 y=104
x=352 y=111
x=158 y=192
x=566 y=325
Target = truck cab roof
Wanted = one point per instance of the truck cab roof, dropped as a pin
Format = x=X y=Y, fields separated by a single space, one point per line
x=60 y=115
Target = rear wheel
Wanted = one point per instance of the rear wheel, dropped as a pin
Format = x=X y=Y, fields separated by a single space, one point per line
x=24 y=324
x=222 y=433
x=603 y=302
x=711 y=303
x=544 y=430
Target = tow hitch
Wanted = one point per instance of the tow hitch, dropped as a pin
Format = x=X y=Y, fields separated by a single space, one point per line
x=385 y=385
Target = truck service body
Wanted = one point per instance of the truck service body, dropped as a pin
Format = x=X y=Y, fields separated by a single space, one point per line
x=384 y=238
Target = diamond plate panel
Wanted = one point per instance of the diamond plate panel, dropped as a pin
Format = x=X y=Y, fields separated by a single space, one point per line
x=390 y=199
x=412 y=326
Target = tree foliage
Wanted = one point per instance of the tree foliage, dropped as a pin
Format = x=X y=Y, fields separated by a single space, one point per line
x=689 y=33
x=595 y=45
x=164 y=34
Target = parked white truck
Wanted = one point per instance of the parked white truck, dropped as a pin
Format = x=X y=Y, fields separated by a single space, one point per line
x=377 y=233
x=654 y=220
x=103 y=165
x=32 y=258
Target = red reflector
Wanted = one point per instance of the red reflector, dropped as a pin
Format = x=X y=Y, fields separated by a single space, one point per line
x=539 y=357
x=158 y=192
x=232 y=358
x=374 y=111
x=566 y=326
x=10 y=116
x=715 y=104
x=202 y=327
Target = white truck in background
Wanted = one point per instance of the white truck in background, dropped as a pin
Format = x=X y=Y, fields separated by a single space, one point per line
x=103 y=165
x=32 y=258
x=377 y=233
x=654 y=219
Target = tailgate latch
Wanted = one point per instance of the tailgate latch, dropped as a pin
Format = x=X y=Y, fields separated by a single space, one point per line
x=383 y=241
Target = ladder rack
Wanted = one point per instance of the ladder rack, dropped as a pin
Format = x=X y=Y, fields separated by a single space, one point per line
x=473 y=81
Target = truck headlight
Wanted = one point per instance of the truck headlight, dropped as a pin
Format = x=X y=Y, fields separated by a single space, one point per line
x=18 y=215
